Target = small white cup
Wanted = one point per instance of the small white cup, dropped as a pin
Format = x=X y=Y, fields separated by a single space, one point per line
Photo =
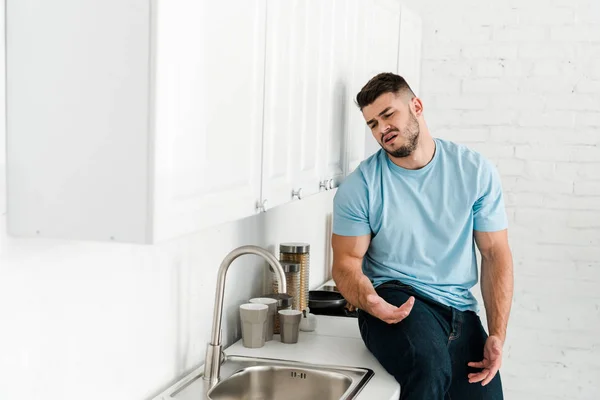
x=272 y=304
x=253 y=317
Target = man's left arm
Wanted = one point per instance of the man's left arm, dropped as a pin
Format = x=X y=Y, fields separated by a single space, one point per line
x=496 y=279
x=497 y=292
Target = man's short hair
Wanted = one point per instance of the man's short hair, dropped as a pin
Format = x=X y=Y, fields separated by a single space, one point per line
x=385 y=82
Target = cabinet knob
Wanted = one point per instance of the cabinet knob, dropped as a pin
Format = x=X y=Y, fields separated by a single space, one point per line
x=297 y=193
x=324 y=185
x=261 y=206
x=330 y=184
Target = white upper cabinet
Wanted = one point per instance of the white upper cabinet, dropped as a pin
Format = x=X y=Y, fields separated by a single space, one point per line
x=381 y=19
x=208 y=108
x=303 y=129
x=362 y=58
x=283 y=103
x=78 y=118
x=394 y=46
x=315 y=64
x=341 y=46
x=409 y=48
x=131 y=120
x=144 y=120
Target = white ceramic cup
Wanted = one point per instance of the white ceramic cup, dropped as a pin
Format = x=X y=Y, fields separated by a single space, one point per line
x=253 y=317
x=272 y=304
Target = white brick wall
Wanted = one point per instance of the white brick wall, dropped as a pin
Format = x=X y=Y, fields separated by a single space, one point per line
x=519 y=80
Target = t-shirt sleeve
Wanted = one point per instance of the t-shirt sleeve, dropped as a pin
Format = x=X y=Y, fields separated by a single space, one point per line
x=350 y=207
x=488 y=211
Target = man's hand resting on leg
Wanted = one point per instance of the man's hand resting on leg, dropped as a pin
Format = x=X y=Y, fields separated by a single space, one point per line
x=378 y=307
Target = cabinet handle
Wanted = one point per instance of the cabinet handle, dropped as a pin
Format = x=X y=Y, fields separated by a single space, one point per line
x=261 y=206
x=324 y=185
x=330 y=184
x=297 y=193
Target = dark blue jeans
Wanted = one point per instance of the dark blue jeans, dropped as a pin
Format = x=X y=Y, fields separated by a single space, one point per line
x=428 y=351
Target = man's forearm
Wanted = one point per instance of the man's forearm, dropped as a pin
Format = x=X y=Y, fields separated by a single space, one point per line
x=497 y=290
x=353 y=285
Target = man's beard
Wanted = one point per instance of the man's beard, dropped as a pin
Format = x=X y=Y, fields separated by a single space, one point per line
x=412 y=136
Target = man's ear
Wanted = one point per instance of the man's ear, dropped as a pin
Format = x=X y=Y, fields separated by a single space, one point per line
x=417 y=105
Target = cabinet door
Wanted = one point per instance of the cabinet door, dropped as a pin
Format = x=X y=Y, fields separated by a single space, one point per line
x=307 y=72
x=77 y=126
x=281 y=102
x=310 y=84
x=338 y=33
x=409 y=48
x=209 y=109
x=383 y=27
x=364 y=59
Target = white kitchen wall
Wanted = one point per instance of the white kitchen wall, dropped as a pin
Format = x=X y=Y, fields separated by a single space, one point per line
x=96 y=321
x=519 y=80
x=85 y=320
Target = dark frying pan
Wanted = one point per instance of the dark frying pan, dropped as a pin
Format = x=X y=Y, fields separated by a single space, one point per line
x=325 y=300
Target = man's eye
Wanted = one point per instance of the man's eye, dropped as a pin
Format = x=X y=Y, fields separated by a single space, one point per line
x=388 y=115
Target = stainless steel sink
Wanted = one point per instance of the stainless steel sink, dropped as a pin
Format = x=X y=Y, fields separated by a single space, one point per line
x=271 y=380
x=247 y=378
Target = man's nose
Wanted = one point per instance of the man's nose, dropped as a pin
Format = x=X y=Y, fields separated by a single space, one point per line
x=384 y=128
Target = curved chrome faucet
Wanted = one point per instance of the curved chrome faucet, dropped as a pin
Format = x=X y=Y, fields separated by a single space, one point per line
x=212 y=365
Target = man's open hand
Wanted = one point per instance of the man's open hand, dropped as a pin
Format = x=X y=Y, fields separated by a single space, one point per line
x=386 y=312
x=492 y=360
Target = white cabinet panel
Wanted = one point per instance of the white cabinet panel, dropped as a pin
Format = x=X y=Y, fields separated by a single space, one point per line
x=361 y=58
x=383 y=26
x=281 y=103
x=316 y=63
x=381 y=19
x=208 y=107
x=339 y=89
x=305 y=93
x=77 y=118
x=310 y=18
x=132 y=120
x=408 y=52
x=409 y=48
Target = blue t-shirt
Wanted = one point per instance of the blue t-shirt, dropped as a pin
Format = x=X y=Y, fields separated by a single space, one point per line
x=421 y=221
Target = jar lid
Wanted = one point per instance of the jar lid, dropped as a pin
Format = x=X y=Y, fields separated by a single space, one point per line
x=294 y=247
x=283 y=300
x=288 y=266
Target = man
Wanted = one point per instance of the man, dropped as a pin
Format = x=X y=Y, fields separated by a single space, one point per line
x=406 y=222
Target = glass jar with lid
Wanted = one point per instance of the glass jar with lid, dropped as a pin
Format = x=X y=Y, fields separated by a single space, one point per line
x=298 y=252
x=292 y=278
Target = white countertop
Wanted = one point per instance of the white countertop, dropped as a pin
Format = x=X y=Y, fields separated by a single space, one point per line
x=335 y=341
